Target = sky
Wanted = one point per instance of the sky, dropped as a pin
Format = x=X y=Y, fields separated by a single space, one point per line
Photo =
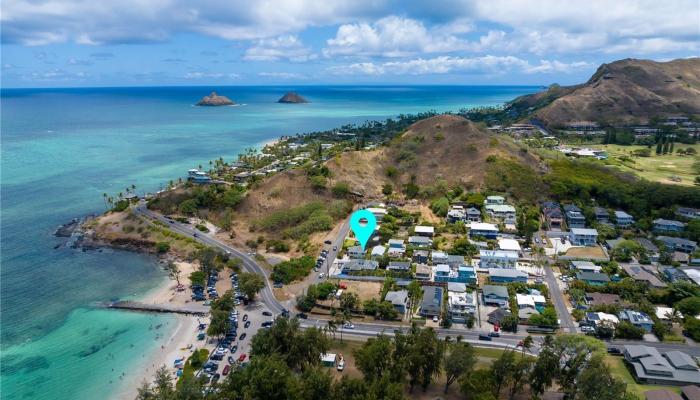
x=67 y=43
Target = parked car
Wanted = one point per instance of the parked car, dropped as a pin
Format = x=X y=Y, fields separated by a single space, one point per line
x=243 y=335
x=301 y=315
x=245 y=317
x=267 y=313
x=247 y=324
x=234 y=348
x=435 y=318
x=226 y=370
x=242 y=357
x=231 y=360
x=485 y=337
x=327 y=242
x=335 y=248
x=341 y=365
x=321 y=275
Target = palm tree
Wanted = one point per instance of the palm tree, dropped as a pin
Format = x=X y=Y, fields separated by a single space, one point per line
x=332 y=327
x=527 y=344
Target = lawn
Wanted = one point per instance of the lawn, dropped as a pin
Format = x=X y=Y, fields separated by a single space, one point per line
x=617 y=367
x=654 y=168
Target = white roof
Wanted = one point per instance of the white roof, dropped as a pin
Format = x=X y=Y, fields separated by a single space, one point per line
x=500 y=208
x=442 y=268
x=538 y=298
x=524 y=300
x=378 y=250
x=664 y=312
x=498 y=254
x=377 y=210
x=508 y=244
x=584 y=231
x=482 y=226
x=424 y=229
x=328 y=357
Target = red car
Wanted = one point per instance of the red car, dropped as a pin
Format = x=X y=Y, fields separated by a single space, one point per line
x=226 y=370
x=241 y=358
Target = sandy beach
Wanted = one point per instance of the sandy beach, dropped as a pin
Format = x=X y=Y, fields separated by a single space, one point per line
x=172 y=346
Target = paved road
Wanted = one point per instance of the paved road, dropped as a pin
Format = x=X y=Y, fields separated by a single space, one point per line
x=249 y=264
x=372 y=329
x=567 y=322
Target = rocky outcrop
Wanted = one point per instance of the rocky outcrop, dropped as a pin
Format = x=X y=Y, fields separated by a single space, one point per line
x=215 y=100
x=292 y=98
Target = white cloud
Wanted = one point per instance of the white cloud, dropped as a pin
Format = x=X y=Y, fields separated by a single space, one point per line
x=210 y=75
x=281 y=48
x=447 y=64
x=41 y=22
x=393 y=37
x=281 y=75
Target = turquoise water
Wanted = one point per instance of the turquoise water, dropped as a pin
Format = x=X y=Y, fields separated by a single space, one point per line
x=63 y=148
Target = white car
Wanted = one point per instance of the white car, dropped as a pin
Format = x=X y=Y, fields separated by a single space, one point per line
x=435 y=318
x=348 y=325
x=341 y=365
x=321 y=275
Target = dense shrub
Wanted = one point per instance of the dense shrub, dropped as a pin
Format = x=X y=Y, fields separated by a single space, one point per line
x=294 y=269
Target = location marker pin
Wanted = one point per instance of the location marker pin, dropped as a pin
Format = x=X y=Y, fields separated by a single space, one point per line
x=362 y=223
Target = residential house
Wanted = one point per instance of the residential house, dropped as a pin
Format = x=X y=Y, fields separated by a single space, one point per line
x=596 y=299
x=665 y=314
x=396 y=248
x=495 y=200
x=651 y=367
x=586 y=266
x=640 y=274
x=378 y=212
x=638 y=319
x=601 y=215
x=622 y=219
x=667 y=225
x=461 y=306
x=497 y=316
x=651 y=250
x=198 y=176
x=473 y=215
x=506 y=275
x=553 y=215
x=356 y=252
x=456 y=213
x=423 y=272
x=456 y=287
x=508 y=245
x=503 y=212
x=530 y=300
x=495 y=295
x=432 y=301
x=497 y=259
x=441 y=273
x=378 y=252
x=489 y=231
x=427 y=231
x=584 y=236
x=420 y=241
x=399 y=266
x=574 y=216
x=359 y=265
x=674 y=275
x=524 y=314
x=687 y=212
x=421 y=256
x=460 y=273
x=454 y=260
x=439 y=257
x=398 y=299
x=593 y=278
x=602 y=319
x=678 y=244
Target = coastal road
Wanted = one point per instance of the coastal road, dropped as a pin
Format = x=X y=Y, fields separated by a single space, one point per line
x=249 y=264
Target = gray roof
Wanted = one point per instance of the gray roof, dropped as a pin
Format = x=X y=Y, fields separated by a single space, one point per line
x=661 y=221
x=498 y=291
x=419 y=239
x=432 y=297
x=676 y=240
x=592 y=276
x=399 y=265
x=674 y=366
x=507 y=272
x=358 y=265
x=456 y=287
x=397 y=297
x=355 y=249
x=647 y=244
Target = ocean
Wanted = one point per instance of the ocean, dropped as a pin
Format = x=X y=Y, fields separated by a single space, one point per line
x=63 y=148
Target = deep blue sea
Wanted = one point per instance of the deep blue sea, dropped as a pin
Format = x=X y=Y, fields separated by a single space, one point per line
x=63 y=148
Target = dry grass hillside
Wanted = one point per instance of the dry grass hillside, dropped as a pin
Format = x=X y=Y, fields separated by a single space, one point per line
x=444 y=146
x=624 y=91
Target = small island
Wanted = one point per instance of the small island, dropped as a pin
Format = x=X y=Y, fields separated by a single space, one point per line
x=215 y=100
x=292 y=98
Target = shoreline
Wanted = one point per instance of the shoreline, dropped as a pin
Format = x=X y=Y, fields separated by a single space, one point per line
x=174 y=346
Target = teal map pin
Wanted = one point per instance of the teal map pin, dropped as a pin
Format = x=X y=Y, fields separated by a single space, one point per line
x=363 y=231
